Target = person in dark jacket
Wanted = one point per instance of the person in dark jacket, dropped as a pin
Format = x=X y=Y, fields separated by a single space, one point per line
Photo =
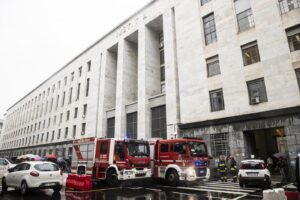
x=233 y=169
x=222 y=168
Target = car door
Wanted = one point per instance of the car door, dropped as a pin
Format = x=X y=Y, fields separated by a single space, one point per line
x=22 y=171
x=10 y=177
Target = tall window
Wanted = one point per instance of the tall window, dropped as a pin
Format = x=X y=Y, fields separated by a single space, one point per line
x=68 y=115
x=65 y=80
x=74 y=131
x=89 y=65
x=220 y=144
x=66 y=132
x=204 y=2
x=209 y=29
x=162 y=62
x=60 y=118
x=288 y=5
x=70 y=96
x=244 y=14
x=298 y=76
x=63 y=99
x=87 y=87
x=132 y=125
x=216 y=100
x=58 y=134
x=79 y=71
x=250 y=53
x=52 y=137
x=257 y=91
x=213 y=66
x=111 y=127
x=72 y=76
x=84 y=110
x=57 y=100
x=293 y=35
x=78 y=92
x=83 y=127
x=75 y=113
x=159 y=124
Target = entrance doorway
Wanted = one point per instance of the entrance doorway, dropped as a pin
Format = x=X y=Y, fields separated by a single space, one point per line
x=262 y=143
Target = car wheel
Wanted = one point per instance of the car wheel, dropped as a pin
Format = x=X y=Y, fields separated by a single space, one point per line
x=172 y=178
x=24 y=188
x=112 y=178
x=57 y=188
x=4 y=186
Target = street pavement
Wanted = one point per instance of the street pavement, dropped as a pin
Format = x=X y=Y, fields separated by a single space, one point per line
x=148 y=190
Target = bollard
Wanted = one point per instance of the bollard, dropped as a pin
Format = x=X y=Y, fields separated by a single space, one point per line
x=280 y=193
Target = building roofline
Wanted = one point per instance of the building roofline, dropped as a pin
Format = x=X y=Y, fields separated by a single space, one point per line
x=88 y=48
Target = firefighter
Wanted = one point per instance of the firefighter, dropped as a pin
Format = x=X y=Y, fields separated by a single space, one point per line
x=222 y=168
x=233 y=169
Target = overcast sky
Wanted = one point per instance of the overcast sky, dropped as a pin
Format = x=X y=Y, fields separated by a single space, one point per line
x=38 y=37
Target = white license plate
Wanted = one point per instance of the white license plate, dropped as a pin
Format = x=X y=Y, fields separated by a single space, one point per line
x=201 y=171
x=252 y=174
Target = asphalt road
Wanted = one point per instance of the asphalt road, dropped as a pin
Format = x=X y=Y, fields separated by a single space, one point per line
x=147 y=191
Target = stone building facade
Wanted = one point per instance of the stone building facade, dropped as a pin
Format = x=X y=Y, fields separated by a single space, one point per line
x=226 y=71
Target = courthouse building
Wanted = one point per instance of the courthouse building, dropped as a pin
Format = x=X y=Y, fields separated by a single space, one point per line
x=226 y=71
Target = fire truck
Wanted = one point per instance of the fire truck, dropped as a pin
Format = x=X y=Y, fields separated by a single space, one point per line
x=182 y=159
x=111 y=159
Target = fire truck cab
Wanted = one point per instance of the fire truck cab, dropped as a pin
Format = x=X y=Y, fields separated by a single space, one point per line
x=182 y=159
x=111 y=159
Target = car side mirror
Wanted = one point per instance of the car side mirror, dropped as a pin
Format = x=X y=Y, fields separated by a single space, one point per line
x=210 y=157
x=10 y=169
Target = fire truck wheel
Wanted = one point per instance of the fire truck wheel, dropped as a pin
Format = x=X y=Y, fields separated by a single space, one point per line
x=112 y=178
x=172 y=178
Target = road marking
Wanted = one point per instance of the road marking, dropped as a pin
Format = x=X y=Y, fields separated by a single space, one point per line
x=71 y=191
x=228 y=189
x=240 y=197
x=187 y=194
x=134 y=188
x=206 y=190
x=227 y=186
x=156 y=190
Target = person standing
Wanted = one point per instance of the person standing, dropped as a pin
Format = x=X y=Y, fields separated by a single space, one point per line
x=222 y=168
x=233 y=169
x=282 y=168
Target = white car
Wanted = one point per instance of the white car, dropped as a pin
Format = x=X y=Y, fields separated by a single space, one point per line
x=33 y=175
x=5 y=164
x=254 y=172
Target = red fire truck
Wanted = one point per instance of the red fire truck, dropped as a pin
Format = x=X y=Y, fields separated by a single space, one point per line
x=182 y=159
x=111 y=159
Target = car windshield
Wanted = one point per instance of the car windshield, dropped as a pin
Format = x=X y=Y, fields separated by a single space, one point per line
x=137 y=149
x=197 y=149
x=46 y=167
x=252 y=166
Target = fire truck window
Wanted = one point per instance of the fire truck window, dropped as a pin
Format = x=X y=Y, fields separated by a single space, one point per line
x=103 y=148
x=120 y=151
x=180 y=148
x=164 y=148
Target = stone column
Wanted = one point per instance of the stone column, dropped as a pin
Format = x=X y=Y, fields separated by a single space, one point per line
x=120 y=115
x=171 y=70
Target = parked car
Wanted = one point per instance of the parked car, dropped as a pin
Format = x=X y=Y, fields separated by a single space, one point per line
x=254 y=172
x=33 y=175
x=5 y=164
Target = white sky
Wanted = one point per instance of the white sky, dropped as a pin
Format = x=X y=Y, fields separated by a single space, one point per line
x=38 y=37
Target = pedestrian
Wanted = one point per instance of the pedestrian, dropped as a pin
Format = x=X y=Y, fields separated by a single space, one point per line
x=233 y=169
x=222 y=168
x=270 y=163
x=282 y=165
